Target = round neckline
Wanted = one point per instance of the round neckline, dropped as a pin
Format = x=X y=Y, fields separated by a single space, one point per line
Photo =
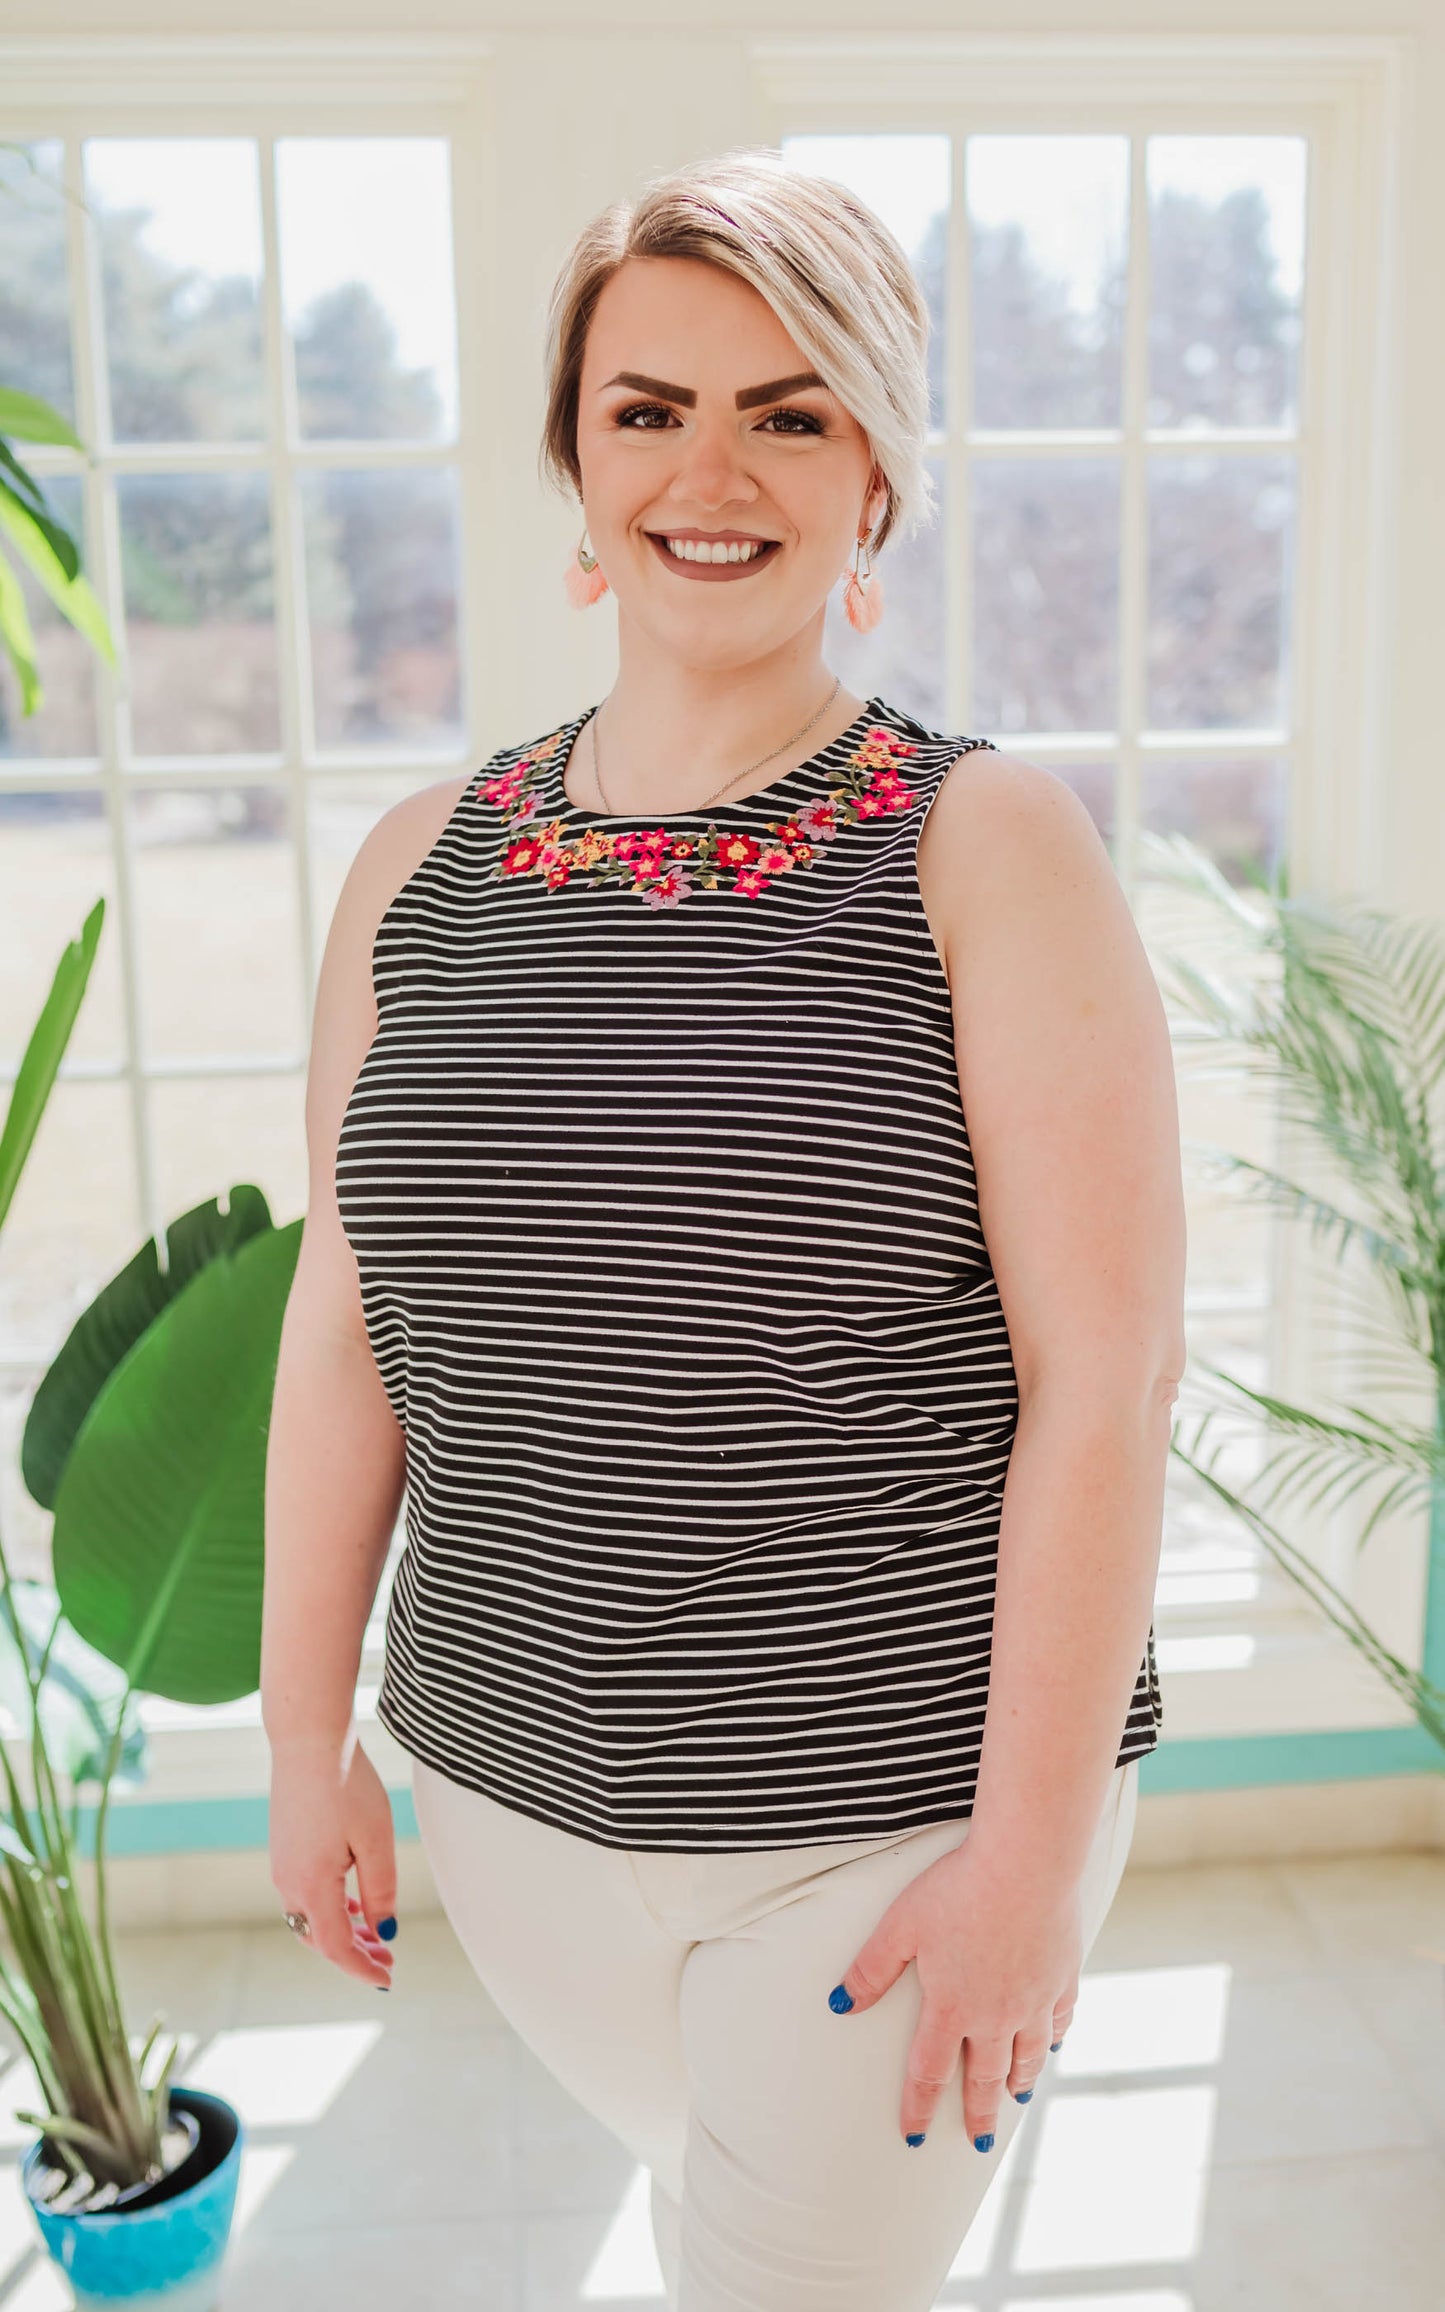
x=559 y=805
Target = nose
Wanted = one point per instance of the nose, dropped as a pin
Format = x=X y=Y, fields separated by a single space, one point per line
x=712 y=471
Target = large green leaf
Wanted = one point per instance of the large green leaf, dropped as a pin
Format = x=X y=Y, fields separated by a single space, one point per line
x=44 y=1052
x=18 y=482
x=51 y=553
x=79 y=1695
x=158 y=1544
x=116 y=1319
x=28 y=419
x=18 y=639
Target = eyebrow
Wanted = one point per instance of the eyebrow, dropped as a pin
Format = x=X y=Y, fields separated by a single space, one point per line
x=748 y=398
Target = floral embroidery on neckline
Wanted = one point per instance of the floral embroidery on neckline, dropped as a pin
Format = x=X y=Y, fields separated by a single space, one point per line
x=664 y=866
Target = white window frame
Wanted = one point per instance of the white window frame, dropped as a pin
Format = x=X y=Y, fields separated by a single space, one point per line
x=1346 y=94
x=269 y=87
x=1277 y=1667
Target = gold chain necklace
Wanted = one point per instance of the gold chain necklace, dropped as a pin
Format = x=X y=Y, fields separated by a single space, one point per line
x=732 y=782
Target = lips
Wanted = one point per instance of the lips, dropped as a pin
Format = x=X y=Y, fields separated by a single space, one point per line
x=714 y=571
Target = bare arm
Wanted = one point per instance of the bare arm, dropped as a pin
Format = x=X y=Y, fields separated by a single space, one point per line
x=1067 y=1079
x=335 y=1464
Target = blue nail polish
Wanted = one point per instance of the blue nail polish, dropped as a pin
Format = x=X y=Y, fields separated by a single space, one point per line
x=839 y=2000
x=383 y=1986
x=914 y=2140
x=1028 y=2091
x=386 y=1928
x=983 y=2143
x=1054 y=2046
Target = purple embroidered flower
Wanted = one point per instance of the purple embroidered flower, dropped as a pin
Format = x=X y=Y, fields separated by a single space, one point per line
x=674 y=885
x=650 y=860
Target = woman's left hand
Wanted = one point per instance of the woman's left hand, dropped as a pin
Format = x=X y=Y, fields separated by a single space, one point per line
x=999 y=1970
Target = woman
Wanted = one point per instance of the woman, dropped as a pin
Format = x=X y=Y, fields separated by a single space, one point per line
x=784 y=1459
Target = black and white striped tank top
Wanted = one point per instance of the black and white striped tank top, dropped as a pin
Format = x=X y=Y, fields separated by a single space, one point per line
x=659 y=1186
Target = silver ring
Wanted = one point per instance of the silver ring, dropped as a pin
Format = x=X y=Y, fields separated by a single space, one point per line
x=298 y=1922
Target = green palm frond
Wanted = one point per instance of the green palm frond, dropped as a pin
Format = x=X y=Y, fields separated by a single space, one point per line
x=1339 y=1009
x=1326 y=1220
x=1321 y=1462
x=1424 y=1698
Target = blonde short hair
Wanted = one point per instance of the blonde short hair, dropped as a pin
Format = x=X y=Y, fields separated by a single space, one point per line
x=830 y=269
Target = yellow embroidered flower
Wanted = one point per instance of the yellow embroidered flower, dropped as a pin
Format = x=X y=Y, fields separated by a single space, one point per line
x=651 y=860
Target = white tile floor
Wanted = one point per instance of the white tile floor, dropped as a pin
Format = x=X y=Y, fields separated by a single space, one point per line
x=1249 y=2112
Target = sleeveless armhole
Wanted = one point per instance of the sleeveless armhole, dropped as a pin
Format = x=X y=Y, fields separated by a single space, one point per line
x=952 y=752
x=463 y=830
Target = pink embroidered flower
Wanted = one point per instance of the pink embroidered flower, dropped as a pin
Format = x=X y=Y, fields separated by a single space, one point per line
x=505 y=787
x=818 y=819
x=650 y=861
x=674 y=885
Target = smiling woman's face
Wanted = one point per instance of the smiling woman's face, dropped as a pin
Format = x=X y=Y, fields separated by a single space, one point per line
x=667 y=453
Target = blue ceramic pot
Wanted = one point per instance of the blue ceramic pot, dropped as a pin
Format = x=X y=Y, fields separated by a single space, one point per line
x=163 y=2252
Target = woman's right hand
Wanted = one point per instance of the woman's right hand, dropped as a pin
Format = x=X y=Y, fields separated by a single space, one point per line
x=330 y=1813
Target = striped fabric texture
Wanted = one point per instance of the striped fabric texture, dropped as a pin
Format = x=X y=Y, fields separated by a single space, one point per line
x=659 y=1185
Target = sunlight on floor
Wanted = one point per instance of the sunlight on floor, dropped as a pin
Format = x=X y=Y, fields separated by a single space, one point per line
x=626 y=2263
x=1105 y=2174
x=1111 y=2174
x=1246 y=2110
x=287 y=2075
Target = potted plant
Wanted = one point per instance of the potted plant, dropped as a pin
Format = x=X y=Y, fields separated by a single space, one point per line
x=1340 y=1008
x=147 y=1440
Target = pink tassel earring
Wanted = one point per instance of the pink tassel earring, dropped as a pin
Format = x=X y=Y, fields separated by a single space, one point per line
x=863 y=594
x=582 y=578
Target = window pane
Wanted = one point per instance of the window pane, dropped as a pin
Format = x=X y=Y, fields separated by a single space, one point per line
x=1226 y=266
x=1223 y=1102
x=1048 y=237
x=34 y=275
x=55 y=862
x=1233 y=809
x=201 y=639
x=382 y=556
x=342 y=810
x=903 y=658
x=1221 y=534
x=216 y=1130
x=367 y=280
x=64 y=722
x=75 y=1219
x=905 y=180
x=1045 y=593
x=179 y=220
x=216 y=934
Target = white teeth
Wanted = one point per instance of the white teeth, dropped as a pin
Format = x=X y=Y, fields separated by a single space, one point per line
x=701 y=550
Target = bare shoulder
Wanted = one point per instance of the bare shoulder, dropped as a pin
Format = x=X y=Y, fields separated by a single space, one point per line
x=1007 y=840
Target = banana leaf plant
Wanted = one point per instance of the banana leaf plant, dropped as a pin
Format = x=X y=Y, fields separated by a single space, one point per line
x=146 y=1439
x=31 y=529
x=1339 y=1008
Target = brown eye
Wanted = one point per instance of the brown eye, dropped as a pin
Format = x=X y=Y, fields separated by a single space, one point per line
x=643 y=409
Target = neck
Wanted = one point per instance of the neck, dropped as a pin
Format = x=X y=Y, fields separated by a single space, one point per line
x=671 y=734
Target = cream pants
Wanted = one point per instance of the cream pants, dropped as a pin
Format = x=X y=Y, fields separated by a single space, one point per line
x=682 y=1999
